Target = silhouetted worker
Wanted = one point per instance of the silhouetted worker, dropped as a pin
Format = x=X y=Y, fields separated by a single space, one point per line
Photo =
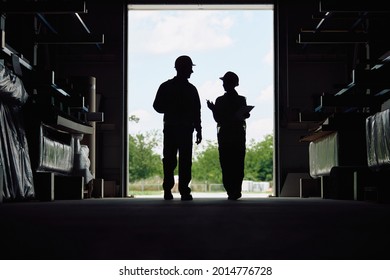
x=179 y=101
x=230 y=111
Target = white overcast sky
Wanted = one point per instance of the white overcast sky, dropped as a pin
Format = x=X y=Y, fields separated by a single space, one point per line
x=217 y=41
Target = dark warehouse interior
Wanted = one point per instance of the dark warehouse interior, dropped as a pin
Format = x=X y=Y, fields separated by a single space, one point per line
x=331 y=140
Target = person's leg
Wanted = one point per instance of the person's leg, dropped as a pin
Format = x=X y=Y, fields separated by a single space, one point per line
x=169 y=161
x=237 y=169
x=185 y=163
x=225 y=160
x=238 y=161
x=231 y=145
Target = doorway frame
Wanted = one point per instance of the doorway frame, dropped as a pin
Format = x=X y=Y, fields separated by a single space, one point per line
x=216 y=5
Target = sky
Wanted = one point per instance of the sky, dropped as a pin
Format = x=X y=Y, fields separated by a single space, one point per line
x=217 y=41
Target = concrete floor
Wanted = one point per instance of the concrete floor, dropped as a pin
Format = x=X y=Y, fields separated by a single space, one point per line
x=205 y=228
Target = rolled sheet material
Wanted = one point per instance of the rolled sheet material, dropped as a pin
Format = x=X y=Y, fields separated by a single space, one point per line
x=323 y=155
x=378 y=140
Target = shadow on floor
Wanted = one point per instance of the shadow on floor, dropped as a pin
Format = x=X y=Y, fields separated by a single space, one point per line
x=205 y=228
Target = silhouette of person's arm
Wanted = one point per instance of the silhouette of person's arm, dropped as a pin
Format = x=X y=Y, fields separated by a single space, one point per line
x=197 y=120
x=210 y=105
x=213 y=109
x=161 y=102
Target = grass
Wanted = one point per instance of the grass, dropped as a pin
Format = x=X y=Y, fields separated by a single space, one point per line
x=153 y=186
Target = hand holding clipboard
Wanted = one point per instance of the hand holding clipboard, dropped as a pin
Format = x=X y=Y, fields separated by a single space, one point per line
x=243 y=112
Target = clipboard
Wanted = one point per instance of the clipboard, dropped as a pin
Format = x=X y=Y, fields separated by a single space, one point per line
x=244 y=110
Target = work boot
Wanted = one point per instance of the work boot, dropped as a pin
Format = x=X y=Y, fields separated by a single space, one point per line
x=186 y=197
x=168 y=195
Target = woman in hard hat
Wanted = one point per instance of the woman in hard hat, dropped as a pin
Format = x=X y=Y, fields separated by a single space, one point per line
x=230 y=111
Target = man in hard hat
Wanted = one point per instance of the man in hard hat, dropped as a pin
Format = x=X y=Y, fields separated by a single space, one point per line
x=179 y=101
x=230 y=111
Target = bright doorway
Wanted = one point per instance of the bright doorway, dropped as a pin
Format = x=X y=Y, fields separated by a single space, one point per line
x=219 y=39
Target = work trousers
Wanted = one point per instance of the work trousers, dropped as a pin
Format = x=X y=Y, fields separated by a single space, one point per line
x=231 y=147
x=177 y=140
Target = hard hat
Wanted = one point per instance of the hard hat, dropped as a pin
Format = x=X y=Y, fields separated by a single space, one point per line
x=230 y=77
x=183 y=60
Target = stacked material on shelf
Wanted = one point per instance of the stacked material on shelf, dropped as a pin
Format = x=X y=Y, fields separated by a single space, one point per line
x=323 y=155
x=14 y=153
x=378 y=140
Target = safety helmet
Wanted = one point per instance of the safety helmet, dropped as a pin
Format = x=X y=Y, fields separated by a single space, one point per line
x=183 y=61
x=230 y=77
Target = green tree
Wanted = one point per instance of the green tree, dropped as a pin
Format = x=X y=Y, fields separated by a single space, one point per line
x=133 y=118
x=259 y=160
x=206 y=164
x=144 y=162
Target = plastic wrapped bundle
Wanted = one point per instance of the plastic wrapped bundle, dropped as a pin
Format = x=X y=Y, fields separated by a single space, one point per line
x=14 y=154
x=12 y=91
x=323 y=155
x=378 y=140
x=55 y=151
x=371 y=153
